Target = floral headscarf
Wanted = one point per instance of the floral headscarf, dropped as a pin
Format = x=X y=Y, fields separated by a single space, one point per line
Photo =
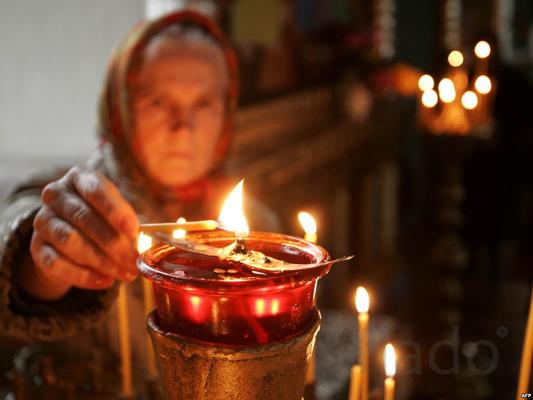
x=116 y=127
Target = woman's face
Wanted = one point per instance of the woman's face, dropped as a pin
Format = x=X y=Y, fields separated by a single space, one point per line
x=179 y=109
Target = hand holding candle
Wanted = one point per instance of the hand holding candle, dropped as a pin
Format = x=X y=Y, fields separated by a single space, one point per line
x=390 y=371
x=362 y=304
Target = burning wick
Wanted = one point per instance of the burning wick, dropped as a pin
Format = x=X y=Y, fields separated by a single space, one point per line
x=232 y=218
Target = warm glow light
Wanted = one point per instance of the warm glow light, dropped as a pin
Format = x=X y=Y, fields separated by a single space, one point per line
x=390 y=360
x=274 y=307
x=469 y=100
x=430 y=98
x=483 y=84
x=482 y=49
x=426 y=82
x=232 y=215
x=144 y=242
x=180 y=233
x=446 y=90
x=260 y=306
x=362 y=301
x=455 y=58
x=308 y=222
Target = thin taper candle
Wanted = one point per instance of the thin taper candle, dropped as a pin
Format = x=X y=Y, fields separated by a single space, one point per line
x=355 y=383
x=362 y=303
x=125 y=343
x=170 y=227
x=527 y=355
x=390 y=371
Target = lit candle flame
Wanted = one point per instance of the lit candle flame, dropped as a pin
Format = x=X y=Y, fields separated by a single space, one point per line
x=483 y=84
x=469 y=100
x=362 y=300
x=144 y=242
x=180 y=233
x=447 y=90
x=232 y=215
x=425 y=83
x=482 y=49
x=390 y=360
x=455 y=58
x=430 y=98
x=308 y=224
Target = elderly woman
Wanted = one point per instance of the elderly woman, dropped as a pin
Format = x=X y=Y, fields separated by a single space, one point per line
x=165 y=124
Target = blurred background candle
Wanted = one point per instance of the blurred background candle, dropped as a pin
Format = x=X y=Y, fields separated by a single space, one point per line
x=362 y=304
x=144 y=243
x=308 y=223
x=527 y=355
x=390 y=371
x=355 y=383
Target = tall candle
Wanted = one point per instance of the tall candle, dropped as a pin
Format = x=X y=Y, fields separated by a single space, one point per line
x=390 y=371
x=355 y=383
x=125 y=344
x=309 y=226
x=527 y=355
x=362 y=303
x=144 y=242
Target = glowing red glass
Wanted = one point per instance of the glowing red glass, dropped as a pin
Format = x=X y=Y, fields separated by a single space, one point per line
x=225 y=302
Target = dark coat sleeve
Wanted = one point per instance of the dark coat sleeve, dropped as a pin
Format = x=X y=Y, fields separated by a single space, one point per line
x=22 y=318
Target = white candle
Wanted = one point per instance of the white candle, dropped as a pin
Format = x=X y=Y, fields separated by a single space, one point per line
x=390 y=371
x=362 y=304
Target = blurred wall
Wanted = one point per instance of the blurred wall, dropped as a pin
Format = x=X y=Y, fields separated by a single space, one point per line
x=53 y=55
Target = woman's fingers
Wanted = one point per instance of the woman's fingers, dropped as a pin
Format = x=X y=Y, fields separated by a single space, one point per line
x=104 y=197
x=70 y=207
x=56 y=267
x=66 y=239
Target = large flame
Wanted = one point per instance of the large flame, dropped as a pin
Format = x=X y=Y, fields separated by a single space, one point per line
x=232 y=215
x=144 y=242
x=362 y=301
x=390 y=360
x=308 y=222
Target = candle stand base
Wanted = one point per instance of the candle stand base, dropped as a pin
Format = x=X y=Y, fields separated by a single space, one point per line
x=190 y=369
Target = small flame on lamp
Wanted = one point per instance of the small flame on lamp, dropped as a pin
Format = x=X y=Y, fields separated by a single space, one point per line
x=308 y=222
x=447 y=90
x=232 y=215
x=482 y=49
x=362 y=301
x=426 y=82
x=469 y=100
x=390 y=360
x=430 y=98
x=180 y=233
x=483 y=84
x=144 y=242
x=455 y=58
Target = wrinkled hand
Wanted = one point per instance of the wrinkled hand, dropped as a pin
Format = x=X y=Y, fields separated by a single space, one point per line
x=84 y=235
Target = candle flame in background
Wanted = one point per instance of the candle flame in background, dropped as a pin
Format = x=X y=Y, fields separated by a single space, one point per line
x=483 y=84
x=144 y=242
x=482 y=49
x=180 y=233
x=469 y=100
x=430 y=98
x=362 y=301
x=426 y=82
x=447 y=90
x=308 y=222
x=455 y=58
x=390 y=360
x=232 y=215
